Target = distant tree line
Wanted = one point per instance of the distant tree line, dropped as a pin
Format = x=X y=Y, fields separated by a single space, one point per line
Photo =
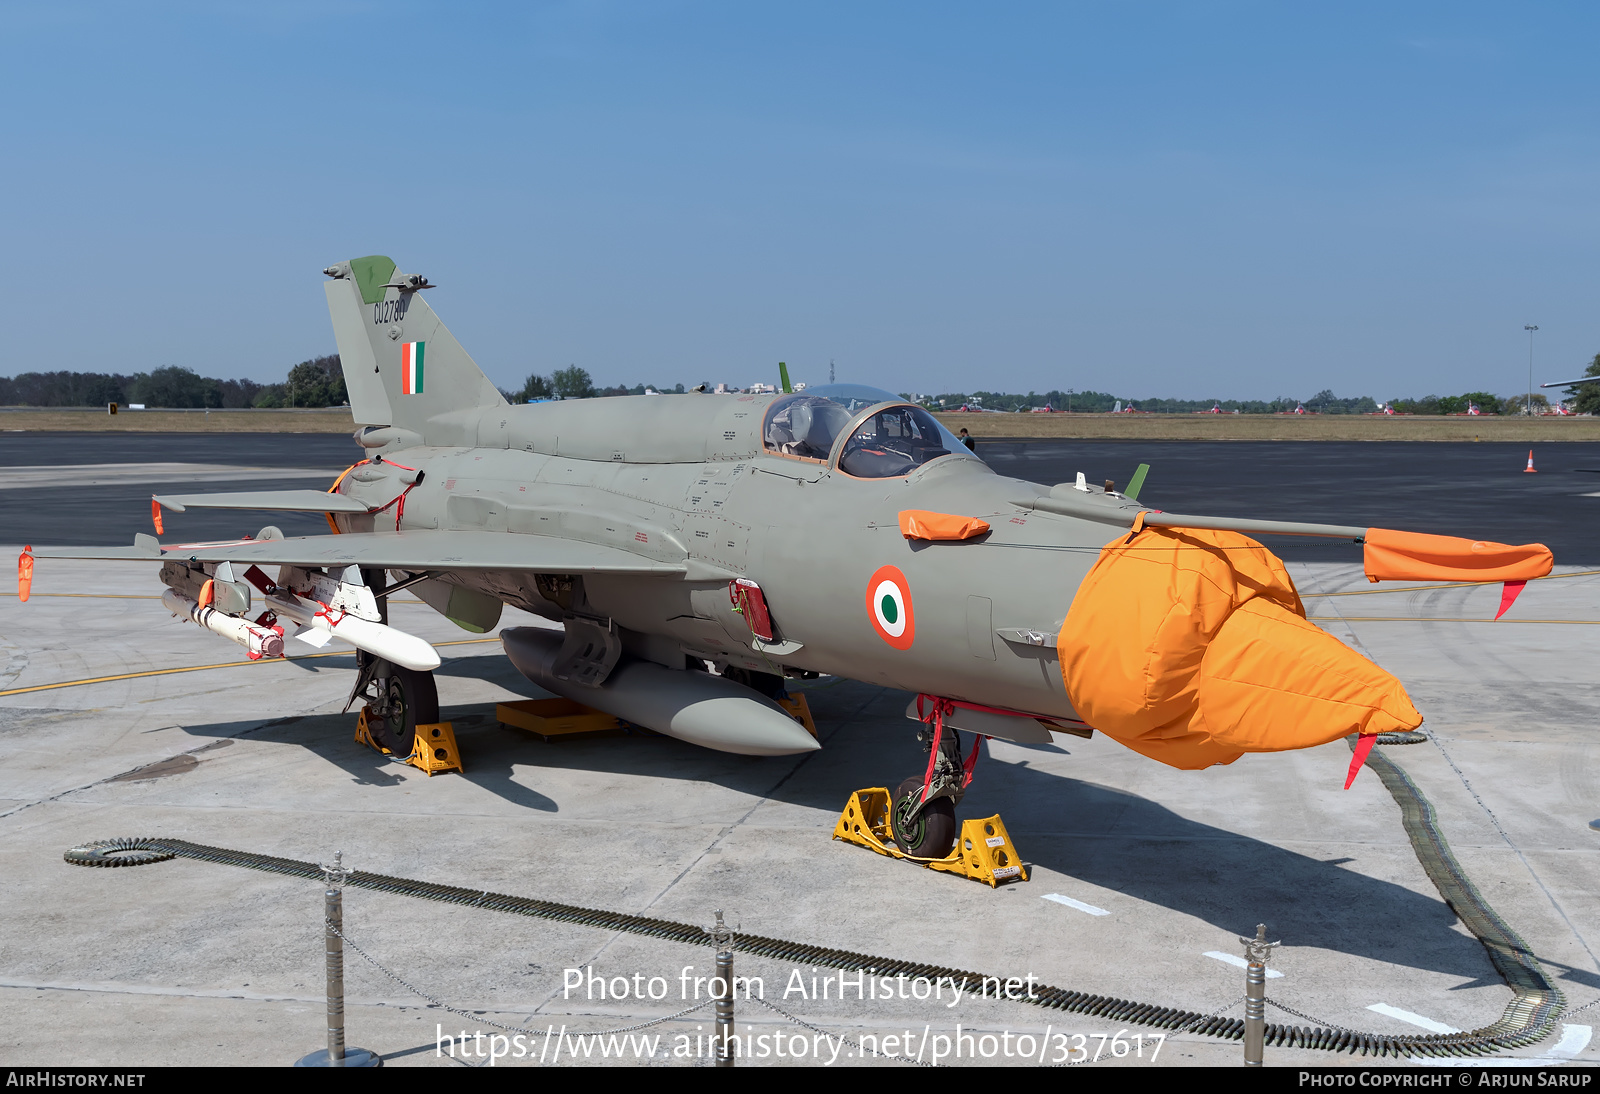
x=1100 y=402
x=1485 y=402
x=1587 y=401
x=318 y=382
x=576 y=383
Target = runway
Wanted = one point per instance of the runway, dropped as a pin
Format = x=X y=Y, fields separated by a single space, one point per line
x=1475 y=490
x=119 y=720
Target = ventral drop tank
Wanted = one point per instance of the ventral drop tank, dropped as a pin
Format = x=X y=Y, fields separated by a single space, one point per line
x=696 y=707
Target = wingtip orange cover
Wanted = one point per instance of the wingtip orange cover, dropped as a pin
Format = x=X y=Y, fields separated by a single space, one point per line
x=1413 y=556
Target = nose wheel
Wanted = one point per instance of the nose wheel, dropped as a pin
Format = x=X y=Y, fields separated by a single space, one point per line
x=923 y=823
x=928 y=832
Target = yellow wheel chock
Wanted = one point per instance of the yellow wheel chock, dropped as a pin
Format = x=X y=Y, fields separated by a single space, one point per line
x=800 y=711
x=983 y=850
x=433 y=749
x=364 y=733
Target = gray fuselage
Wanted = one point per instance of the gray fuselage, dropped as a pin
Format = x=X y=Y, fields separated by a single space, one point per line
x=686 y=479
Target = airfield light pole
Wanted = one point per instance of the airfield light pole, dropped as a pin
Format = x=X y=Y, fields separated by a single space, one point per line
x=1530 y=331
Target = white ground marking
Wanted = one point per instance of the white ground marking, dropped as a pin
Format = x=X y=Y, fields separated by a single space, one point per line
x=1236 y=960
x=1078 y=904
x=1574 y=1039
x=1413 y=1018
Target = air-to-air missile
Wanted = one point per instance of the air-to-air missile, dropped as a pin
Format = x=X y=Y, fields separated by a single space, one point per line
x=696 y=551
x=257 y=640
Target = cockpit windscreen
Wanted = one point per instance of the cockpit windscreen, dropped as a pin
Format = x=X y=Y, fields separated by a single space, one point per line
x=895 y=441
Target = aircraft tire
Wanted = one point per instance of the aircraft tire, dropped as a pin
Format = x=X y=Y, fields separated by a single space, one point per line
x=416 y=698
x=933 y=833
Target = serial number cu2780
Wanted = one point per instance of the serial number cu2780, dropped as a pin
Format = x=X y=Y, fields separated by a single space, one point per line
x=390 y=311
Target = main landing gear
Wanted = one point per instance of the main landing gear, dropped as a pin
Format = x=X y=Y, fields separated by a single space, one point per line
x=925 y=826
x=398 y=700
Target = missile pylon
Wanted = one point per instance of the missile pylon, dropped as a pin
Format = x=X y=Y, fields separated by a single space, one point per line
x=259 y=641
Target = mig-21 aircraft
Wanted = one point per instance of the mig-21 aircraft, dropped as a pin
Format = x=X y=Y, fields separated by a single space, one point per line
x=698 y=550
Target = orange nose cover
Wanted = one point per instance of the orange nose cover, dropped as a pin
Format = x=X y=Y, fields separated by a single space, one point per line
x=1191 y=647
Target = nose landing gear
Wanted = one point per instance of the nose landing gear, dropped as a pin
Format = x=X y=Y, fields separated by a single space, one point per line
x=924 y=824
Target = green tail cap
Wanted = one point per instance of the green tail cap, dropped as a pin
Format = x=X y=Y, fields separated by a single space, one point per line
x=1136 y=483
x=783 y=377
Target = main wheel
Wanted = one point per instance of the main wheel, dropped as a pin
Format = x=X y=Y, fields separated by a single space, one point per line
x=413 y=700
x=933 y=831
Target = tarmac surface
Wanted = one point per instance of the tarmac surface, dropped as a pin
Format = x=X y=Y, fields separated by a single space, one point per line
x=1481 y=491
x=187 y=962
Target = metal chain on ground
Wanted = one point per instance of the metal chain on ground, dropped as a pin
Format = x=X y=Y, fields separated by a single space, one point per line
x=1570 y=1011
x=472 y=1016
x=1271 y=1002
x=841 y=1038
x=1214 y=1014
x=1526 y=1019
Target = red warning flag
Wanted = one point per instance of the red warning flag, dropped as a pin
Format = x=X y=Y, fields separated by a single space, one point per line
x=1508 y=596
x=155 y=514
x=208 y=593
x=1364 y=745
x=25 y=574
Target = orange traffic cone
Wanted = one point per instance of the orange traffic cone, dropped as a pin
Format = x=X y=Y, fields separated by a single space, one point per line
x=1530 y=468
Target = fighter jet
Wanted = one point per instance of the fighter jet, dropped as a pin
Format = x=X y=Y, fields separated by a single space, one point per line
x=700 y=550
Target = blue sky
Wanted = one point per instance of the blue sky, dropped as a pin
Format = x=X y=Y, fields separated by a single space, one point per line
x=1186 y=199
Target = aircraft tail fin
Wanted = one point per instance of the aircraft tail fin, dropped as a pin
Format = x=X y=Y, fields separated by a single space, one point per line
x=402 y=366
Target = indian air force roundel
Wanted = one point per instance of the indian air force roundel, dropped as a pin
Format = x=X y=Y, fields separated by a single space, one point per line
x=889 y=607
